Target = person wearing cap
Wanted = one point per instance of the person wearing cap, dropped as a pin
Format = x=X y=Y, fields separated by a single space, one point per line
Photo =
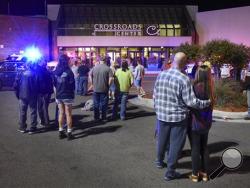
x=101 y=78
x=173 y=94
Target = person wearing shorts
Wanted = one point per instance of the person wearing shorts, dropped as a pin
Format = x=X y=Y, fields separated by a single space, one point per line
x=65 y=86
x=138 y=76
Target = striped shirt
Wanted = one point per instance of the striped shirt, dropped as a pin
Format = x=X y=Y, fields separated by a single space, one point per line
x=173 y=93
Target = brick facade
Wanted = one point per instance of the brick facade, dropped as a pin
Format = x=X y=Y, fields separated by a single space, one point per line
x=18 y=32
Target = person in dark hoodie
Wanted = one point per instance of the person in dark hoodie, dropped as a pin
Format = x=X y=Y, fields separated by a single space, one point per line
x=45 y=90
x=26 y=90
x=64 y=83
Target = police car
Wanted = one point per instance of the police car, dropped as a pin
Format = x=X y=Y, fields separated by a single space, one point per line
x=8 y=72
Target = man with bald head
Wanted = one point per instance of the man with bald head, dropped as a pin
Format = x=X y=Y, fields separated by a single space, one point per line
x=173 y=94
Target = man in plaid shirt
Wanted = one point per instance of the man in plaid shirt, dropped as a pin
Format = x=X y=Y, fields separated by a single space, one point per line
x=173 y=94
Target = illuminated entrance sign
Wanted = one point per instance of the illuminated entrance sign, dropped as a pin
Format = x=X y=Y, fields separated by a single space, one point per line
x=127 y=29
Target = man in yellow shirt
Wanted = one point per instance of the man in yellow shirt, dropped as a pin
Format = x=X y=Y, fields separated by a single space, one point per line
x=124 y=81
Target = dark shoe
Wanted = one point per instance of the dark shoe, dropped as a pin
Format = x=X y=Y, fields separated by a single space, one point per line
x=247 y=118
x=32 y=131
x=97 y=121
x=62 y=135
x=22 y=130
x=173 y=176
x=160 y=164
x=70 y=136
x=112 y=118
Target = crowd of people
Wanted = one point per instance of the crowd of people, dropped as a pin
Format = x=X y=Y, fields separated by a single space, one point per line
x=183 y=106
x=35 y=85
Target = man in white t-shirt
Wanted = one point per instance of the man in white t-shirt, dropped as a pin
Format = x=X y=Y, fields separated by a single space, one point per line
x=74 y=69
x=138 y=76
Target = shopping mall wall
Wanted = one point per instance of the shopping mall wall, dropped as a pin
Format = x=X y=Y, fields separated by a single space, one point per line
x=121 y=41
x=232 y=24
x=17 y=33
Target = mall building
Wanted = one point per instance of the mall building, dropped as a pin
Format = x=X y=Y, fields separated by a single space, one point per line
x=120 y=31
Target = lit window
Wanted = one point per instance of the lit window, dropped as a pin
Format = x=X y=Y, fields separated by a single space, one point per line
x=163 y=32
x=176 y=26
x=177 y=32
x=170 y=32
x=162 y=26
x=170 y=26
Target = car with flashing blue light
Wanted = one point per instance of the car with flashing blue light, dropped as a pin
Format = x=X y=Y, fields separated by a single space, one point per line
x=8 y=72
x=15 y=63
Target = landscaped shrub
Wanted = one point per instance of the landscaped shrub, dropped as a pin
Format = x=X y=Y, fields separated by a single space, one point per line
x=228 y=93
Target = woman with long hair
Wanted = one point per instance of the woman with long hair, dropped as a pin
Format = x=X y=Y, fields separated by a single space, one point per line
x=65 y=85
x=201 y=123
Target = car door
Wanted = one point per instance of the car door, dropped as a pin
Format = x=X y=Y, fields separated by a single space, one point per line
x=9 y=74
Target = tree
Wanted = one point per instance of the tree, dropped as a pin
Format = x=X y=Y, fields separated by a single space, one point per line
x=220 y=52
x=191 y=50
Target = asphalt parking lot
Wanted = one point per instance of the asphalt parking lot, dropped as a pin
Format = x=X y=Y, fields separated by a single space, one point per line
x=115 y=154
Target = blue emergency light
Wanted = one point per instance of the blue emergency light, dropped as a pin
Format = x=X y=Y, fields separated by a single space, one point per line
x=32 y=54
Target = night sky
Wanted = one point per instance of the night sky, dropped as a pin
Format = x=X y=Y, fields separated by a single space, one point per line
x=37 y=7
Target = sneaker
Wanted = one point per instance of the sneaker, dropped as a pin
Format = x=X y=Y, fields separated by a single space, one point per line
x=32 y=131
x=22 y=130
x=70 y=136
x=203 y=176
x=62 y=135
x=123 y=118
x=175 y=175
x=194 y=178
x=160 y=164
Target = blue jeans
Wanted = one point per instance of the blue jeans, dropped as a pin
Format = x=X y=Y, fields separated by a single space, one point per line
x=200 y=155
x=173 y=133
x=100 y=102
x=23 y=108
x=120 y=98
x=43 y=108
x=83 y=85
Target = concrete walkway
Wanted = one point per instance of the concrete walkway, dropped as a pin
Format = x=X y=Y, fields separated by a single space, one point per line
x=237 y=117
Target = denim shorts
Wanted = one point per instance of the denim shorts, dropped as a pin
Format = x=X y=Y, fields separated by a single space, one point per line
x=138 y=83
x=65 y=101
x=112 y=87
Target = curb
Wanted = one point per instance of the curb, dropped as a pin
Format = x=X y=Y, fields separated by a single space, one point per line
x=232 y=117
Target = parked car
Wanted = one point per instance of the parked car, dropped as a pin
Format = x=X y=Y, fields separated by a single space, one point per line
x=8 y=72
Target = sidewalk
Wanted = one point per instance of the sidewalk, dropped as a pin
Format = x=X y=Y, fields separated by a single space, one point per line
x=233 y=117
